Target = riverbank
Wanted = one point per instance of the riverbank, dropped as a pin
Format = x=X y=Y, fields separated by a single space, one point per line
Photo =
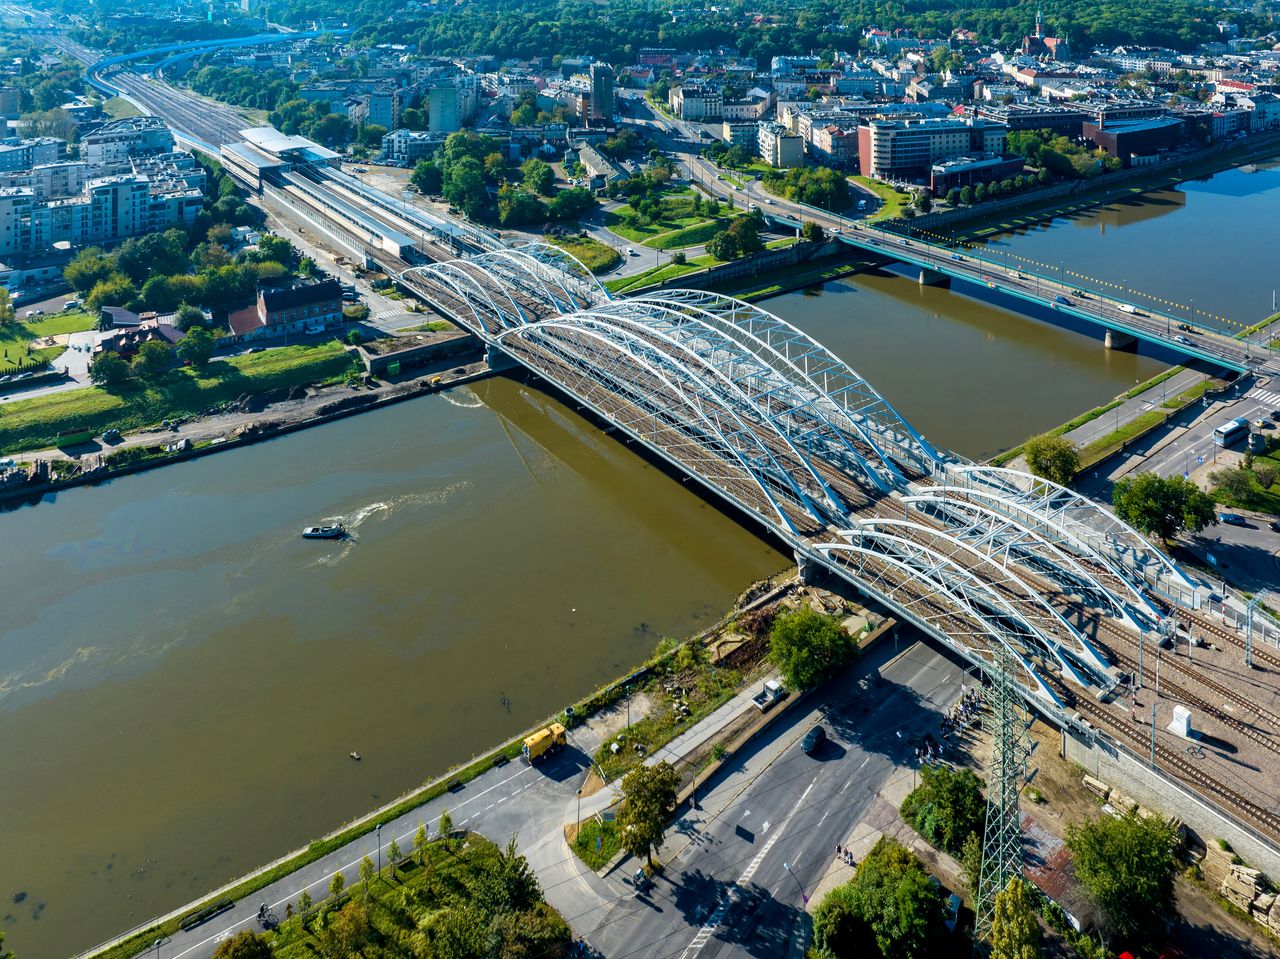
x=258 y=417
x=143 y=937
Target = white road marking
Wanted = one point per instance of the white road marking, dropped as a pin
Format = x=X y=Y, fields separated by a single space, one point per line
x=703 y=936
x=765 y=827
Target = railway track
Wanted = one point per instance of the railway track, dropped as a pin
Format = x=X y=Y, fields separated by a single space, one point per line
x=1172 y=761
x=1230 y=637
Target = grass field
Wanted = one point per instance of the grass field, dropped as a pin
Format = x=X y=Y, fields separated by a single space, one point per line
x=595 y=256
x=892 y=202
x=659 y=274
x=597 y=843
x=119 y=109
x=16 y=338
x=35 y=423
x=694 y=235
x=1259 y=499
x=677 y=214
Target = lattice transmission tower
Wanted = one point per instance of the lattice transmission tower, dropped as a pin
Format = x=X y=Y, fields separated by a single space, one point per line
x=1011 y=747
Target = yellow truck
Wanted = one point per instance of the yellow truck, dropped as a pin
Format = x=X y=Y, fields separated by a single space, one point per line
x=543 y=741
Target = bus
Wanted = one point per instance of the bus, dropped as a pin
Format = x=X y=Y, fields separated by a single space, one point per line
x=1232 y=432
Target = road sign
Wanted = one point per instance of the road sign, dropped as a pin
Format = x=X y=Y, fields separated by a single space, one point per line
x=1213 y=560
x=1186 y=475
x=1200 y=461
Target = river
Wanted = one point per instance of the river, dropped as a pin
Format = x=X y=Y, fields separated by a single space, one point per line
x=182 y=677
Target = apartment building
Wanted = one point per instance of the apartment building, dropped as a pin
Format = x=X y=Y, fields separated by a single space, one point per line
x=114 y=143
x=697 y=101
x=18 y=154
x=778 y=146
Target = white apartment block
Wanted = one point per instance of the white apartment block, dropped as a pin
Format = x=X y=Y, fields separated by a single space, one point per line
x=114 y=143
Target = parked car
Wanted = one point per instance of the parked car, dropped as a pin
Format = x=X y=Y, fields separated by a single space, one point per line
x=813 y=739
x=1274 y=526
x=1232 y=519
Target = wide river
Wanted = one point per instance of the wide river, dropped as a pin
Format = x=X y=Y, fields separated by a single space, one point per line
x=182 y=677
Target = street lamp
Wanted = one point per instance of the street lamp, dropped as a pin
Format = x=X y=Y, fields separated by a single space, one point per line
x=804 y=898
x=378 y=832
x=158 y=941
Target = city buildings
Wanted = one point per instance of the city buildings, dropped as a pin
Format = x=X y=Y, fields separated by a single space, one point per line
x=697 y=101
x=16 y=154
x=778 y=146
x=115 y=142
x=908 y=148
x=602 y=81
x=302 y=307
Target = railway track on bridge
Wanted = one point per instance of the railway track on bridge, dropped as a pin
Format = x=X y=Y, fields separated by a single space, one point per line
x=1181 y=765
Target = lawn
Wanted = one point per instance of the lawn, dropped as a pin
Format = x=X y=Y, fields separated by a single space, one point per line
x=694 y=235
x=35 y=423
x=595 y=256
x=1259 y=499
x=677 y=213
x=1104 y=446
x=16 y=338
x=893 y=202
x=118 y=108
x=435 y=326
x=597 y=842
x=659 y=274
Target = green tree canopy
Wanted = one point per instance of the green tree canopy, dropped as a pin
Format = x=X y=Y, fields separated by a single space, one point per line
x=88 y=268
x=152 y=359
x=812 y=232
x=1015 y=931
x=108 y=369
x=808 y=646
x=1052 y=457
x=196 y=347
x=1162 y=507
x=1127 y=865
x=539 y=178
x=889 y=908
x=648 y=796
x=243 y=945
x=947 y=807
x=427 y=178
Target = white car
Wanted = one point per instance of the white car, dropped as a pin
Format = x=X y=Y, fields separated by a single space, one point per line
x=631 y=251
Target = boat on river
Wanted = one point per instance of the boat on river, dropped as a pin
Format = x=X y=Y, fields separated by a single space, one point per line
x=324 y=532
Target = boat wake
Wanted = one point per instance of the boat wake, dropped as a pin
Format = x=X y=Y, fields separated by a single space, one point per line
x=462 y=391
x=382 y=509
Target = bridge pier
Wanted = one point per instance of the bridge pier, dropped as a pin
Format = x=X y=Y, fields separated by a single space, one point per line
x=1121 y=341
x=812 y=573
x=499 y=360
x=930 y=277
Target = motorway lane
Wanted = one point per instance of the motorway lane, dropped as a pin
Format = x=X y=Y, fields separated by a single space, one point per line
x=737 y=888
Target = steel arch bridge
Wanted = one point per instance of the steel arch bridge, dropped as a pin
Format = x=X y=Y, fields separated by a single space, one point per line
x=993 y=562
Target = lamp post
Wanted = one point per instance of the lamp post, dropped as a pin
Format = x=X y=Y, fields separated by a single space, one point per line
x=803 y=898
x=578 y=828
x=378 y=833
x=158 y=941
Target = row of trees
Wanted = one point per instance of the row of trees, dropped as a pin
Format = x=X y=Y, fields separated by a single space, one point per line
x=1062 y=157
x=153 y=360
x=981 y=192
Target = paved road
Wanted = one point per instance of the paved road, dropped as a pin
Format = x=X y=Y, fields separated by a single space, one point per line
x=767 y=829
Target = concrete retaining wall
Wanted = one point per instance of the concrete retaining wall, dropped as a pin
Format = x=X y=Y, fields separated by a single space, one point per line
x=1122 y=770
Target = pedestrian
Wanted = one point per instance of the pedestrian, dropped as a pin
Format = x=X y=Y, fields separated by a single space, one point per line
x=838 y=849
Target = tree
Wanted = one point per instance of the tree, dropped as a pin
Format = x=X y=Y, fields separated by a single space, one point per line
x=538 y=177
x=371 y=134
x=1015 y=932
x=446 y=824
x=519 y=207
x=304 y=901
x=160 y=294
x=1235 y=483
x=243 y=945
x=108 y=369
x=1162 y=507
x=924 y=201
x=808 y=647
x=393 y=856
x=115 y=290
x=946 y=808
x=88 y=268
x=366 y=873
x=1053 y=457
x=889 y=908
x=966 y=196
x=971 y=860
x=48 y=123
x=337 y=884
x=420 y=843
x=7 y=312
x=1265 y=475
x=155 y=254
x=648 y=796
x=188 y=317
x=724 y=246
x=1127 y=865
x=953 y=196
x=331 y=130
x=569 y=205
x=196 y=347
x=427 y=178
x=347 y=933
x=813 y=232
x=152 y=359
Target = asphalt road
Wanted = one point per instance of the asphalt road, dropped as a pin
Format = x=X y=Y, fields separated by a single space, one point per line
x=739 y=885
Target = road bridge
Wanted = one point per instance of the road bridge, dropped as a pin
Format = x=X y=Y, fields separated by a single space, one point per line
x=991 y=562
x=940 y=260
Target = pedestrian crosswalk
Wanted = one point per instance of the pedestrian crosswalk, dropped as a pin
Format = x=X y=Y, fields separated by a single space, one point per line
x=383 y=314
x=1266 y=397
